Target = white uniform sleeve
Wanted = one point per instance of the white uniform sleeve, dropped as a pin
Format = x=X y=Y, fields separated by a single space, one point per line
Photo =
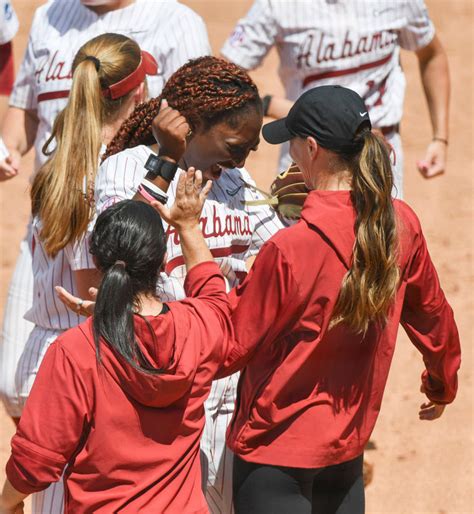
x=191 y=40
x=419 y=30
x=253 y=36
x=78 y=254
x=8 y=22
x=23 y=95
x=264 y=220
x=118 y=179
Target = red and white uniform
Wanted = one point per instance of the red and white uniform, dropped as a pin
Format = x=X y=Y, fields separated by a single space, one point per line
x=8 y=30
x=170 y=31
x=352 y=43
x=130 y=440
x=234 y=232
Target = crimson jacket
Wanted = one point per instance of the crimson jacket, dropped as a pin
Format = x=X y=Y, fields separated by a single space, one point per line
x=310 y=397
x=130 y=440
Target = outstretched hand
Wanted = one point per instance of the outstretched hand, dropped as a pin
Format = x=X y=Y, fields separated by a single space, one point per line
x=76 y=304
x=190 y=197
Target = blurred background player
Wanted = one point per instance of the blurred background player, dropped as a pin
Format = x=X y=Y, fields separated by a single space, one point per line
x=8 y=29
x=170 y=31
x=357 y=45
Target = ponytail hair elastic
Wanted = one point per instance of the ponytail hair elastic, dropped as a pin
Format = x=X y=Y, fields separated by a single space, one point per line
x=94 y=60
x=120 y=263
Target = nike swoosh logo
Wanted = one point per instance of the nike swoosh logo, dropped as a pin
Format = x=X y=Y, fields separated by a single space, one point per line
x=362 y=114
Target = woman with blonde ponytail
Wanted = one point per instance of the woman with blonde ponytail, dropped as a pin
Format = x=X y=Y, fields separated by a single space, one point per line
x=108 y=82
x=316 y=319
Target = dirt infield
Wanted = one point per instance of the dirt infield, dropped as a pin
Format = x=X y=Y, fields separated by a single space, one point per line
x=420 y=467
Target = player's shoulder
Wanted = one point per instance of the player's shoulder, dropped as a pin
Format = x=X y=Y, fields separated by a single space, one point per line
x=408 y=226
x=51 y=17
x=77 y=344
x=168 y=10
x=138 y=155
x=407 y=215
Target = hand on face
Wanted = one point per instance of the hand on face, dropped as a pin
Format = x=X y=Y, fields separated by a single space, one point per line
x=170 y=130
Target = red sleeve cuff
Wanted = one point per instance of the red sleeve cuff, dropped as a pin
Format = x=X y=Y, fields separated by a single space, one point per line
x=30 y=470
x=17 y=477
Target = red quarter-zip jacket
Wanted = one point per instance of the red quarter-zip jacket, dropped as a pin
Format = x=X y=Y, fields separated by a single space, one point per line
x=130 y=440
x=310 y=397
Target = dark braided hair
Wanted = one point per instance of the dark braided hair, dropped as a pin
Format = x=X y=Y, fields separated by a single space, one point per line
x=204 y=90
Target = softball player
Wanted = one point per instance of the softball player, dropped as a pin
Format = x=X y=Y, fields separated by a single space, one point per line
x=108 y=81
x=170 y=31
x=357 y=45
x=222 y=106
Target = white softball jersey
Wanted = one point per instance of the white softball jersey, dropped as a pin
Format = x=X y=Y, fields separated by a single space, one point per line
x=233 y=230
x=47 y=310
x=352 y=43
x=170 y=31
x=8 y=22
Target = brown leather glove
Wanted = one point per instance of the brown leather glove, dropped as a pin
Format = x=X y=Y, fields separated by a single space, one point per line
x=289 y=192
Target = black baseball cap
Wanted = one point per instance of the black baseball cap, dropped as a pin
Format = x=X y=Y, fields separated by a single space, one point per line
x=330 y=114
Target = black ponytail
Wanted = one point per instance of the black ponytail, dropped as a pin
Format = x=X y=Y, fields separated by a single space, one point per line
x=129 y=245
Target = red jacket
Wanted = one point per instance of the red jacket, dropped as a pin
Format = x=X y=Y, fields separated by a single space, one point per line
x=130 y=440
x=310 y=397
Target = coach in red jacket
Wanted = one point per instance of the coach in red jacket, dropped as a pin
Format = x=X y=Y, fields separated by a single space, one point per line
x=317 y=319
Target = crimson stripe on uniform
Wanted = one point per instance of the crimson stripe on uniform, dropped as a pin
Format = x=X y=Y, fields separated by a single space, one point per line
x=348 y=71
x=52 y=95
x=216 y=252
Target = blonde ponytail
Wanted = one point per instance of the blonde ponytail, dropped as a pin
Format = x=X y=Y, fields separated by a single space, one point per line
x=369 y=287
x=63 y=188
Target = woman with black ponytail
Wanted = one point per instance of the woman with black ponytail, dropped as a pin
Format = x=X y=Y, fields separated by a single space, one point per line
x=317 y=319
x=118 y=403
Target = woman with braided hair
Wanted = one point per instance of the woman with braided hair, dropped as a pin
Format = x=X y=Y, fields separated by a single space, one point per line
x=209 y=116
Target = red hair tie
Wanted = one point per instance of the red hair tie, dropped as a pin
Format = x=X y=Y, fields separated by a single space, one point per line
x=147 y=66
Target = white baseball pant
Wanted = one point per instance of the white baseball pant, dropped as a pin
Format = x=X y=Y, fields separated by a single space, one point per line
x=216 y=458
x=15 y=329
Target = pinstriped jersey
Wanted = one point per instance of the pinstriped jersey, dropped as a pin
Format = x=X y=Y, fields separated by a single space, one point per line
x=170 y=31
x=47 y=310
x=8 y=22
x=233 y=230
x=355 y=43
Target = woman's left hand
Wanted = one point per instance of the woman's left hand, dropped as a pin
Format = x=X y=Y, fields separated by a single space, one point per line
x=190 y=197
x=76 y=304
x=435 y=160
